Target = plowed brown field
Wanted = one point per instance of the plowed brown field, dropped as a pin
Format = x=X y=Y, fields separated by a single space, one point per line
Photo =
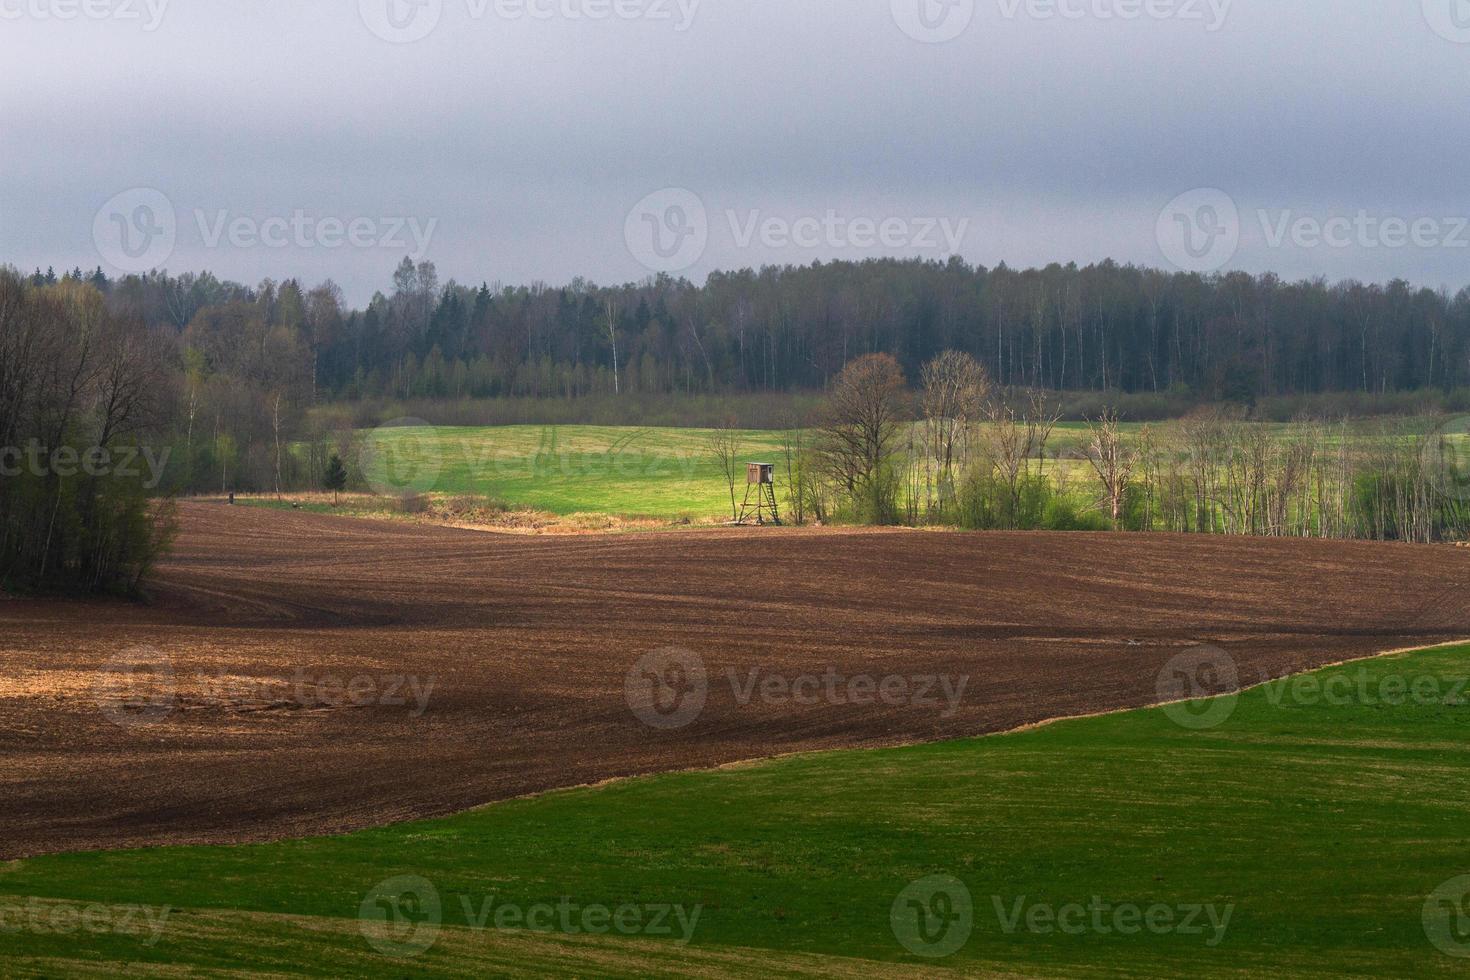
x=527 y=642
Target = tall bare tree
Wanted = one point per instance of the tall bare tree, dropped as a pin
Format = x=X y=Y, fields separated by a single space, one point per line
x=1016 y=439
x=955 y=390
x=1112 y=460
x=723 y=444
x=866 y=405
x=610 y=315
x=798 y=471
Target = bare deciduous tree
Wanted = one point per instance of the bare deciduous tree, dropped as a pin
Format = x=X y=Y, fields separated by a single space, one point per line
x=723 y=445
x=955 y=391
x=610 y=314
x=1014 y=440
x=1112 y=460
x=866 y=405
x=798 y=470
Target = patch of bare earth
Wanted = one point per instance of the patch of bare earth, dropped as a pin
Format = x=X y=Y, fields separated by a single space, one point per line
x=464 y=512
x=489 y=666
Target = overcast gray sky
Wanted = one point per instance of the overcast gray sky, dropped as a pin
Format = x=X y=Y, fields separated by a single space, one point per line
x=522 y=140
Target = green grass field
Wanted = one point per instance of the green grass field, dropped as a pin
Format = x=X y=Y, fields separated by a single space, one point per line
x=1315 y=822
x=666 y=473
x=660 y=473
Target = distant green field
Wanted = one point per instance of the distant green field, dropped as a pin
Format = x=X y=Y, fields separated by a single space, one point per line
x=638 y=472
x=662 y=473
x=1322 y=825
x=572 y=469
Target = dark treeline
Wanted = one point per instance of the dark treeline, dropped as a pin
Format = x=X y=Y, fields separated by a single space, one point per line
x=1233 y=337
x=86 y=399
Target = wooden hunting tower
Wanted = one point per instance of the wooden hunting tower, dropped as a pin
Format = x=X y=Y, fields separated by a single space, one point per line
x=760 y=494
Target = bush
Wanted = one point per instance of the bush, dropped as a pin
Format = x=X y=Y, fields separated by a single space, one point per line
x=1064 y=514
x=80 y=534
x=1401 y=503
x=877 y=502
x=1135 y=515
x=987 y=503
x=411 y=503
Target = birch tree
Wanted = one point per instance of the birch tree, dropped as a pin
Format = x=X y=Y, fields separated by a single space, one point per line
x=1112 y=461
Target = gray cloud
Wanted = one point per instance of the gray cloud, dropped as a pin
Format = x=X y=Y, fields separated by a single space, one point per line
x=528 y=140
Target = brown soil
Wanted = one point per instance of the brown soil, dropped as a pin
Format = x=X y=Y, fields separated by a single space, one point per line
x=527 y=642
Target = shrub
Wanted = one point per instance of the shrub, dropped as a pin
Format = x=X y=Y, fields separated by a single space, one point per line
x=988 y=503
x=411 y=503
x=1064 y=514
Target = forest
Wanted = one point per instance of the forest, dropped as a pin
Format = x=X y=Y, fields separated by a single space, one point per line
x=1232 y=337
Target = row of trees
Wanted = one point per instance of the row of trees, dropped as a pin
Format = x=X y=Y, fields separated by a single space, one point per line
x=1216 y=474
x=1104 y=326
x=957 y=452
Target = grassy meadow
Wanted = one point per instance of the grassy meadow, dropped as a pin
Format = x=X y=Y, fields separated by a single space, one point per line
x=659 y=473
x=636 y=472
x=1320 y=822
x=669 y=475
